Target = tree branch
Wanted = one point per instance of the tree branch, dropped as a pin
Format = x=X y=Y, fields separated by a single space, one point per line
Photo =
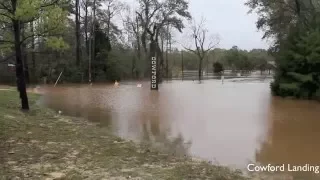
x=154 y=11
x=191 y=50
x=4 y=7
x=5 y=41
x=41 y=34
x=7 y=58
x=5 y=15
x=23 y=53
x=50 y=4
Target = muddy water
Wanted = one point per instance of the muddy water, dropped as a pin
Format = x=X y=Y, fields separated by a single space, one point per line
x=231 y=123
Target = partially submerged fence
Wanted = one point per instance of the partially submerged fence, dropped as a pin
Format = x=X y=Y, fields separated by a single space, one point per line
x=194 y=75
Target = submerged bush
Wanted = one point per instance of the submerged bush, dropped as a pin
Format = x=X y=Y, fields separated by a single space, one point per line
x=218 y=67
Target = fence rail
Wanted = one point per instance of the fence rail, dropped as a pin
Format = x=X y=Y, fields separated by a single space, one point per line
x=193 y=75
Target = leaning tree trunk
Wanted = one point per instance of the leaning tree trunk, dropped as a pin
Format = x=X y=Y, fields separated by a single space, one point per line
x=21 y=84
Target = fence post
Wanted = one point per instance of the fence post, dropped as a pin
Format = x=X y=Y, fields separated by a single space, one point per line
x=182 y=65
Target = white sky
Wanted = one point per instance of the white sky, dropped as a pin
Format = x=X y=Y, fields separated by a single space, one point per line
x=229 y=19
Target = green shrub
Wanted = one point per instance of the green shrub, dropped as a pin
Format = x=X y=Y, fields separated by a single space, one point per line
x=218 y=67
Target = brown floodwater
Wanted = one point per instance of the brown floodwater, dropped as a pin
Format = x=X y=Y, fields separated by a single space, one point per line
x=232 y=123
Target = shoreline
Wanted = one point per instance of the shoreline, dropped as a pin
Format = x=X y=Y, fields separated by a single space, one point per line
x=41 y=144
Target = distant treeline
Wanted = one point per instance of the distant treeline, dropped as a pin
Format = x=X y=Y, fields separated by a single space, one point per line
x=81 y=38
x=120 y=65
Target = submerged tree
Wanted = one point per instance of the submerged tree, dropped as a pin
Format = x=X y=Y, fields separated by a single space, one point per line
x=217 y=67
x=203 y=43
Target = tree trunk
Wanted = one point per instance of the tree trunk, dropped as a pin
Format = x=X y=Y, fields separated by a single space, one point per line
x=160 y=52
x=21 y=84
x=33 y=59
x=167 y=49
x=160 y=60
x=200 y=69
x=298 y=7
x=133 y=67
x=77 y=20
x=145 y=50
x=90 y=58
x=143 y=42
x=50 y=70
x=25 y=57
x=138 y=44
x=207 y=67
x=86 y=27
x=182 y=66
x=108 y=35
x=25 y=62
x=167 y=66
x=93 y=45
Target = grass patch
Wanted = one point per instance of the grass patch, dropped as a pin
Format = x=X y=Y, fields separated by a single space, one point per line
x=41 y=144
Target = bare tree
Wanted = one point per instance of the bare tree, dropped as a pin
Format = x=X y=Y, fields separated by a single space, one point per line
x=106 y=15
x=133 y=30
x=203 y=42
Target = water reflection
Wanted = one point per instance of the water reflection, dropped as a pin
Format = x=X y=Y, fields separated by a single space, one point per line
x=293 y=128
x=137 y=114
x=214 y=121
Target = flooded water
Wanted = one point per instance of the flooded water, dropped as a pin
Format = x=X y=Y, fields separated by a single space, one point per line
x=232 y=123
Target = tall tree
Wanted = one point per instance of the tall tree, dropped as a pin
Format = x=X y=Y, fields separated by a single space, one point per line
x=77 y=33
x=17 y=14
x=294 y=24
x=33 y=58
x=154 y=16
x=133 y=31
x=276 y=17
x=86 y=4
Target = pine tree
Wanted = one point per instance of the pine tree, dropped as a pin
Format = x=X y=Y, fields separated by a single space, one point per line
x=298 y=71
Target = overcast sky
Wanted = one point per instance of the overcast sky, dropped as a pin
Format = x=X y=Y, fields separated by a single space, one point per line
x=230 y=20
